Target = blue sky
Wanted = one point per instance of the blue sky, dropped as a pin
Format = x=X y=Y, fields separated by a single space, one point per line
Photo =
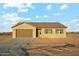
x=67 y=14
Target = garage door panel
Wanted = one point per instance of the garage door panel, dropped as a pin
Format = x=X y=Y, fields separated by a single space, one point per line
x=24 y=33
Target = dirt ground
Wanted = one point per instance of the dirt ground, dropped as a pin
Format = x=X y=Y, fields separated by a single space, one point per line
x=40 y=47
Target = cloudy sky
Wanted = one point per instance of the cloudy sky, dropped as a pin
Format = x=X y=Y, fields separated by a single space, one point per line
x=12 y=13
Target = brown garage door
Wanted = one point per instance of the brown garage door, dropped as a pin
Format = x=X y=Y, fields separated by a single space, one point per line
x=24 y=33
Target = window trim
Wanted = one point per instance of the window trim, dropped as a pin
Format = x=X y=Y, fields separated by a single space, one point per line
x=59 y=31
x=48 y=30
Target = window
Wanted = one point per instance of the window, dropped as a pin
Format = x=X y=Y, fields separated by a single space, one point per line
x=59 y=31
x=48 y=30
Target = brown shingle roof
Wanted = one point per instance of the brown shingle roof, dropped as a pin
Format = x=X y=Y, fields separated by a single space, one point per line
x=43 y=24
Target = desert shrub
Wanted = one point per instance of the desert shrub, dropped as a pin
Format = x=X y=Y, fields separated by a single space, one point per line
x=5 y=33
x=69 y=45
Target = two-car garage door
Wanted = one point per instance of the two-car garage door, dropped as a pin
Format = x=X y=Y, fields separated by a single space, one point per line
x=24 y=33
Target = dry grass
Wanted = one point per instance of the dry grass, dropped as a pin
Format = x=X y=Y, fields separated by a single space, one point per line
x=56 y=47
x=72 y=38
x=5 y=35
x=42 y=47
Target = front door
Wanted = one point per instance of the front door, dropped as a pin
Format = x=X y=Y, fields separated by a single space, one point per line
x=38 y=32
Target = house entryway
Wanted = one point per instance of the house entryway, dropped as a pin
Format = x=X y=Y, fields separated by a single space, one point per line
x=38 y=32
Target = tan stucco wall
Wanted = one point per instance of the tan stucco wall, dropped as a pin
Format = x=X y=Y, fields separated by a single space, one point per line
x=23 y=26
x=13 y=33
x=43 y=34
x=53 y=35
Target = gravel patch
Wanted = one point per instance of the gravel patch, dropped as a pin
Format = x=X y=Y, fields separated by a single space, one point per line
x=15 y=47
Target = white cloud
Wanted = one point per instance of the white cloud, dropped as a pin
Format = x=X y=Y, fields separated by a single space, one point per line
x=8 y=16
x=75 y=20
x=45 y=16
x=11 y=5
x=18 y=5
x=37 y=16
x=58 y=14
x=49 y=7
x=13 y=18
x=30 y=5
x=27 y=18
x=72 y=25
x=75 y=24
x=64 y=6
x=22 y=7
x=23 y=10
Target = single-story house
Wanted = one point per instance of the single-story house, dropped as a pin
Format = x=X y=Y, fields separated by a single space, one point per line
x=39 y=29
